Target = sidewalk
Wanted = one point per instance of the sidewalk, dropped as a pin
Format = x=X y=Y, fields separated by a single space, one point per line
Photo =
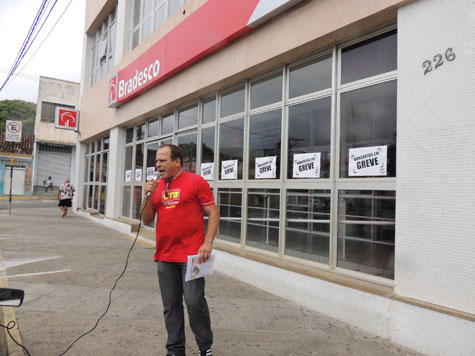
x=68 y=266
x=43 y=196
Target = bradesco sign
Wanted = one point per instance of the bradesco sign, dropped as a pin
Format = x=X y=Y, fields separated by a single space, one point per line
x=209 y=28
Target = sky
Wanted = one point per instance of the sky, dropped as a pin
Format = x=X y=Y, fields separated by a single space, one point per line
x=59 y=56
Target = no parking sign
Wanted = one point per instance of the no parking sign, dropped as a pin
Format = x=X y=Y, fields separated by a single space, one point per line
x=13 y=131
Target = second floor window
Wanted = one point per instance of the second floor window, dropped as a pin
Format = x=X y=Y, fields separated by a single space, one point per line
x=148 y=15
x=102 y=52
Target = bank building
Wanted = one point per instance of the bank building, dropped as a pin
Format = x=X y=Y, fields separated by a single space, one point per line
x=338 y=138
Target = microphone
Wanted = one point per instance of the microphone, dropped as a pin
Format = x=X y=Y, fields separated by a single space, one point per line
x=154 y=177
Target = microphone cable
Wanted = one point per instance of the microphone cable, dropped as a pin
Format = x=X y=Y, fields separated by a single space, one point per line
x=12 y=323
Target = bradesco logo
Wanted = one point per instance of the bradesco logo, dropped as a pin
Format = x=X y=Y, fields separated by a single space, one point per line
x=147 y=74
x=113 y=90
x=67 y=118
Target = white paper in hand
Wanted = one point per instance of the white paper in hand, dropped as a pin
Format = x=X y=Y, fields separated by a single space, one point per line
x=195 y=269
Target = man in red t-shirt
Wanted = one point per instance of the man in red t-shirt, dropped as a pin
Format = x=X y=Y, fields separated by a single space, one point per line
x=179 y=198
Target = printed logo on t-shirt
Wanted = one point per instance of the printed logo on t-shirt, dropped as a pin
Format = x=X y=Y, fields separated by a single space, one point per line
x=172 y=199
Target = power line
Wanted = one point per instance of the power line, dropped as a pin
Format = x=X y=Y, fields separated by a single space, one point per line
x=34 y=38
x=44 y=39
x=27 y=39
x=27 y=44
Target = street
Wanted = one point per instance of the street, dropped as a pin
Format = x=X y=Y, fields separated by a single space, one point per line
x=67 y=267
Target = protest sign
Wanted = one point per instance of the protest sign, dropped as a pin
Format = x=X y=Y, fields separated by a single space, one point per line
x=266 y=167
x=368 y=161
x=229 y=169
x=207 y=170
x=307 y=165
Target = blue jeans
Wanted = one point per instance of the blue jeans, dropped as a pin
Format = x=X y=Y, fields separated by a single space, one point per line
x=171 y=278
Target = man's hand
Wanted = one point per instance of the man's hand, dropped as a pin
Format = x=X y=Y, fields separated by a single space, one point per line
x=147 y=211
x=151 y=186
x=205 y=252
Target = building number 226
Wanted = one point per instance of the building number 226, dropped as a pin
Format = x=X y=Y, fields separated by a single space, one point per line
x=438 y=60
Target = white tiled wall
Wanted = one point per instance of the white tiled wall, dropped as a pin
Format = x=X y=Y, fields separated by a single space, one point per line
x=435 y=210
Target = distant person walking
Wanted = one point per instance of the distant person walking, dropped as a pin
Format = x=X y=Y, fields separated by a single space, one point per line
x=65 y=196
x=48 y=183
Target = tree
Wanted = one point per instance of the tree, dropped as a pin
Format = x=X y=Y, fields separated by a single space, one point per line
x=18 y=110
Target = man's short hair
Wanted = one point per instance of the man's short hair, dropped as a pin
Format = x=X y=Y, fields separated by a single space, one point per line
x=175 y=152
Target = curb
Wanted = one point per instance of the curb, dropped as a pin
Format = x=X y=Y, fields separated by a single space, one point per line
x=7 y=314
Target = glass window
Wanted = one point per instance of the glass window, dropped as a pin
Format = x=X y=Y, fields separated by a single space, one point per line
x=188 y=117
x=103 y=48
x=89 y=197
x=368 y=118
x=152 y=149
x=104 y=167
x=263 y=208
x=84 y=198
x=138 y=173
x=167 y=141
x=153 y=128
x=136 y=13
x=173 y=6
x=209 y=111
x=147 y=7
x=91 y=168
x=232 y=103
x=128 y=158
x=137 y=202
x=95 y=205
x=207 y=145
x=307 y=231
x=231 y=139
x=140 y=132
x=267 y=91
x=126 y=201
x=167 y=124
x=265 y=140
x=230 y=210
x=86 y=170
x=147 y=27
x=135 y=38
x=159 y=14
x=187 y=145
x=102 y=200
x=310 y=132
x=110 y=61
x=106 y=143
x=129 y=135
x=366 y=226
x=368 y=58
x=310 y=77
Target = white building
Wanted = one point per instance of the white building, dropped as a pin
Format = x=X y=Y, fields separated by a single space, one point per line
x=338 y=137
x=55 y=145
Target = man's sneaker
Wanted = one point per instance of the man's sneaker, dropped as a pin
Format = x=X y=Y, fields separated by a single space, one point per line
x=205 y=353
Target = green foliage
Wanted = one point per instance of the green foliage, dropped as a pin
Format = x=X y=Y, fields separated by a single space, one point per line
x=18 y=110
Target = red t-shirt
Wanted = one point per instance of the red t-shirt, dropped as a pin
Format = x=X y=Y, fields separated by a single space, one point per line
x=180 y=225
